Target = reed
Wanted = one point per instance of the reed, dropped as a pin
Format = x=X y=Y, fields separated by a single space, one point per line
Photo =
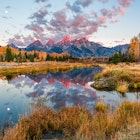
x=78 y=123
x=122 y=87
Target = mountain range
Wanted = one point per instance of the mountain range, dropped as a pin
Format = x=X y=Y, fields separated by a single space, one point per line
x=76 y=48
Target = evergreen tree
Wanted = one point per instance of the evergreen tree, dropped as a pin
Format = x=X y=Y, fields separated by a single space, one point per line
x=31 y=58
x=19 y=57
x=1 y=58
x=9 y=55
x=117 y=57
x=48 y=57
x=61 y=58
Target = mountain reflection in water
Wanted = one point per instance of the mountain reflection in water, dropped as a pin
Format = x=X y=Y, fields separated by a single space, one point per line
x=57 y=90
x=62 y=89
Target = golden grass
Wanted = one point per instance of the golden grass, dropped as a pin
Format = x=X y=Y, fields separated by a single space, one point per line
x=132 y=132
x=122 y=87
x=101 y=107
x=38 y=67
x=78 y=123
x=128 y=73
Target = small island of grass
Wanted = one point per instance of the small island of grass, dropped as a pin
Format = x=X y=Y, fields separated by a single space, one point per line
x=122 y=77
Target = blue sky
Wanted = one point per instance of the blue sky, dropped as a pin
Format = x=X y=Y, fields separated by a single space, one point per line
x=109 y=22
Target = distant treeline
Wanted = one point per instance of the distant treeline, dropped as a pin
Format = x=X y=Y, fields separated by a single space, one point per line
x=131 y=55
x=9 y=54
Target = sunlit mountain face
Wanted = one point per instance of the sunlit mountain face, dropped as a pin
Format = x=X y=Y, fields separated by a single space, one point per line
x=77 y=47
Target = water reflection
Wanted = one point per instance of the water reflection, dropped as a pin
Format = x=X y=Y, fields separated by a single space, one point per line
x=61 y=89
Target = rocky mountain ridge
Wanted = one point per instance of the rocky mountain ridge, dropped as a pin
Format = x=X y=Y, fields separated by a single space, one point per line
x=76 y=48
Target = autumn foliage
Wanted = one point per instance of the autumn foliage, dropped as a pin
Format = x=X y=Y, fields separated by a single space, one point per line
x=133 y=52
x=7 y=53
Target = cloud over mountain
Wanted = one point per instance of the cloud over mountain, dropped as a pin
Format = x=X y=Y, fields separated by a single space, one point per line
x=125 y=3
x=73 y=19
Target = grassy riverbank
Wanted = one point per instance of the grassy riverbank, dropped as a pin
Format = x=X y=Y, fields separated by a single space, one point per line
x=38 y=67
x=79 y=124
x=121 y=77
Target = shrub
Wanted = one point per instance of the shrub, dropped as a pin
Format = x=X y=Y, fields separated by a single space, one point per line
x=76 y=122
x=124 y=76
x=117 y=57
x=101 y=107
x=122 y=87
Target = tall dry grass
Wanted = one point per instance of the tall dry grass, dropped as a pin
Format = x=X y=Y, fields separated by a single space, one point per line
x=122 y=87
x=77 y=123
x=128 y=73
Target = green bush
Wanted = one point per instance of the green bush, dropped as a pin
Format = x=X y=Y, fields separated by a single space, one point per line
x=117 y=57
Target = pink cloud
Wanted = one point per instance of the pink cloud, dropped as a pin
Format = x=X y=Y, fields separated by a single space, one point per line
x=60 y=15
x=84 y=3
x=39 y=16
x=122 y=10
x=80 y=23
x=101 y=43
x=125 y=3
x=79 y=5
x=35 y=28
x=20 y=40
x=79 y=20
x=114 y=20
x=101 y=19
x=108 y=13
